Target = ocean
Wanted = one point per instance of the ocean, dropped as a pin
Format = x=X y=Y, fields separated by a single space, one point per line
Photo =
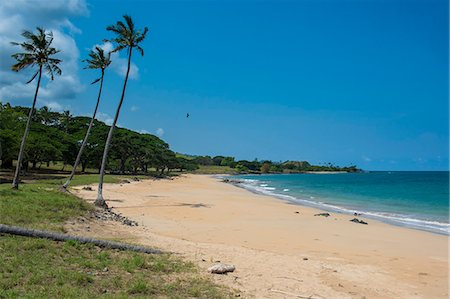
x=418 y=200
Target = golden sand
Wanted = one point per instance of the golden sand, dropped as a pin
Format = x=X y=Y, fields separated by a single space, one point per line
x=280 y=250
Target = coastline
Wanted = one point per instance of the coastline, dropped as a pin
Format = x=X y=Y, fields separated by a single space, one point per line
x=266 y=237
x=265 y=186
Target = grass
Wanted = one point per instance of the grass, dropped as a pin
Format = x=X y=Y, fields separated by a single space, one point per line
x=213 y=169
x=40 y=268
x=39 y=205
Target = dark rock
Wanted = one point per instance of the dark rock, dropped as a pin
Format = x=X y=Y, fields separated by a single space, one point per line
x=323 y=214
x=297 y=212
x=109 y=215
x=358 y=221
x=88 y=188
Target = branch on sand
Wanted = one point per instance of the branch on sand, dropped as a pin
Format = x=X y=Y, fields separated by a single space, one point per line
x=20 y=231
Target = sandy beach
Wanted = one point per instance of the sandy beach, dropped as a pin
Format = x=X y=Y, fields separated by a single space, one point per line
x=280 y=250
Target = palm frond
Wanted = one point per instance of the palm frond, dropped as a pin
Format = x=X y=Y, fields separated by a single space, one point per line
x=37 y=51
x=56 y=69
x=32 y=78
x=140 y=50
x=49 y=71
x=118 y=48
x=129 y=22
x=141 y=36
x=96 y=80
x=127 y=36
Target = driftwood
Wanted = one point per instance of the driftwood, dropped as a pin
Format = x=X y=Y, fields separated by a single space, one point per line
x=20 y=231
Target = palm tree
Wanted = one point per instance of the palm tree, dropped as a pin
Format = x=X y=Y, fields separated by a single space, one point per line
x=127 y=37
x=97 y=60
x=37 y=53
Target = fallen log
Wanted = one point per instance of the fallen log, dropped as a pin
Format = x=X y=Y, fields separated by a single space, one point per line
x=35 y=233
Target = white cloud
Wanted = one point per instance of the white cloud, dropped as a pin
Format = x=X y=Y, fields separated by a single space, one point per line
x=160 y=132
x=119 y=64
x=55 y=106
x=19 y=15
x=366 y=159
x=105 y=118
x=144 y=131
x=134 y=108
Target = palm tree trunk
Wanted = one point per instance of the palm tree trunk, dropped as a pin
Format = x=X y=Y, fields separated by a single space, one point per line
x=26 y=232
x=15 y=184
x=100 y=201
x=80 y=152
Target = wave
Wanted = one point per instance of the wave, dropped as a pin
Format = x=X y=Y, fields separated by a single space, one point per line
x=391 y=218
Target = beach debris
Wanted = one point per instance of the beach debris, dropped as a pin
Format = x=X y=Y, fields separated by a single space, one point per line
x=109 y=215
x=221 y=268
x=34 y=233
x=323 y=214
x=305 y=258
x=136 y=179
x=124 y=181
x=356 y=220
x=88 y=188
x=232 y=181
x=297 y=212
x=356 y=214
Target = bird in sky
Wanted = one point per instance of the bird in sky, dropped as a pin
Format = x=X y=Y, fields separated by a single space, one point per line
x=187 y=115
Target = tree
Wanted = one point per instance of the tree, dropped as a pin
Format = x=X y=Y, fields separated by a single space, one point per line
x=127 y=37
x=98 y=60
x=10 y=125
x=265 y=167
x=37 y=52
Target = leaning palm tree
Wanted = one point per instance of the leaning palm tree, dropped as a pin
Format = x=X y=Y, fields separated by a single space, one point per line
x=37 y=53
x=127 y=37
x=98 y=60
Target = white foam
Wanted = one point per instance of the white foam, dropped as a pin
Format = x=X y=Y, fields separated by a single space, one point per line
x=392 y=218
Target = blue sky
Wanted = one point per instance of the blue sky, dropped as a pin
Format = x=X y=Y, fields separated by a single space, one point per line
x=349 y=82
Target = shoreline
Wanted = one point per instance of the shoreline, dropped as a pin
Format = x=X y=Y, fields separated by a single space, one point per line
x=398 y=220
x=268 y=239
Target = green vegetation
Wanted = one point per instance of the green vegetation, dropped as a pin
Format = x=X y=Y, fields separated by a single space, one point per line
x=221 y=164
x=214 y=169
x=37 y=51
x=72 y=270
x=56 y=137
x=98 y=61
x=39 y=268
x=126 y=38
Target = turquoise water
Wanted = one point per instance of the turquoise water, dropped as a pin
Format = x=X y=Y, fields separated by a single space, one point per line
x=418 y=200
